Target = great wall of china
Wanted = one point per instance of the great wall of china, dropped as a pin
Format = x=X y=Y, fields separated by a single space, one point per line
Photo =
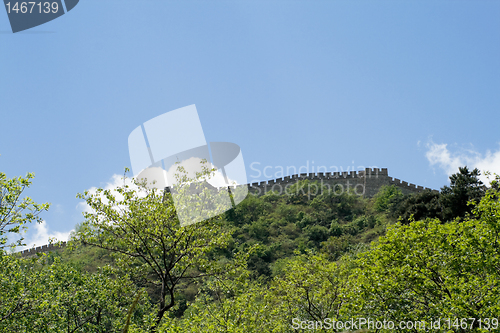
x=42 y=249
x=366 y=183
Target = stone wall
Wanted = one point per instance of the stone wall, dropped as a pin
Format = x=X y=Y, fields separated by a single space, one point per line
x=366 y=183
x=42 y=249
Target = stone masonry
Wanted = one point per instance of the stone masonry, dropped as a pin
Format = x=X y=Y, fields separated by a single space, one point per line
x=366 y=183
x=41 y=249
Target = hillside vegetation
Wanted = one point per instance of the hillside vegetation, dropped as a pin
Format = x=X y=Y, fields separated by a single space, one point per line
x=276 y=263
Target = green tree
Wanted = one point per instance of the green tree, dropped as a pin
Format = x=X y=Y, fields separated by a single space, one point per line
x=419 y=206
x=465 y=186
x=140 y=225
x=428 y=270
x=14 y=287
x=231 y=302
x=16 y=211
x=309 y=287
x=386 y=197
x=451 y=202
x=334 y=204
x=42 y=297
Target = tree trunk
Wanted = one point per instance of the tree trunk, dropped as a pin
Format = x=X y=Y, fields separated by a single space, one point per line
x=163 y=308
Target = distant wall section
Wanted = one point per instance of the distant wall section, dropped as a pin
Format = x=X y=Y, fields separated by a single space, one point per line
x=366 y=183
x=42 y=249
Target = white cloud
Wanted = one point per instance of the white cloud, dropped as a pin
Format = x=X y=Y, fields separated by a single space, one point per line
x=449 y=161
x=115 y=182
x=42 y=236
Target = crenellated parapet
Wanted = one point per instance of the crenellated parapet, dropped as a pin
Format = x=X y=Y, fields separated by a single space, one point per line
x=42 y=249
x=364 y=182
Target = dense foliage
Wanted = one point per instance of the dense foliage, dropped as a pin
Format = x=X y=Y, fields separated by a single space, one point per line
x=275 y=263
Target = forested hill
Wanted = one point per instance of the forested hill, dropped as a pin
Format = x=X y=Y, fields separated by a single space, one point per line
x=275 y=263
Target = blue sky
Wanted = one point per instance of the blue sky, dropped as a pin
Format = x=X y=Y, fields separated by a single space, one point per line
x=413 y=86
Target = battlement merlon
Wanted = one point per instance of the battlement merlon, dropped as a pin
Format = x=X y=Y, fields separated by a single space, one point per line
x=376 y=172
